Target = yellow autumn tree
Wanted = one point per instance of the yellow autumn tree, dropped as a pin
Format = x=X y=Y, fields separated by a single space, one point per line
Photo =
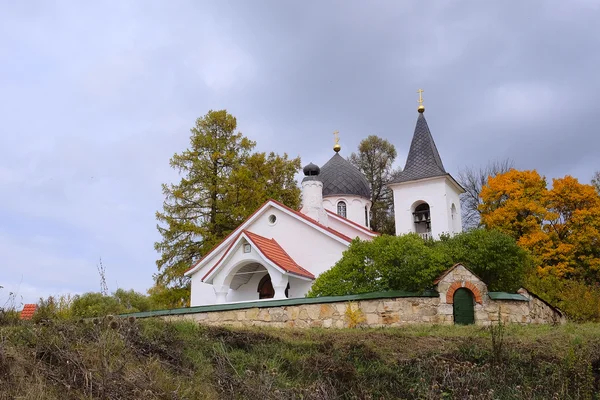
x=560 y=227
x=573 y=227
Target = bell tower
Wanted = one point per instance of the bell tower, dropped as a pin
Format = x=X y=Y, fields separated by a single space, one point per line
x=426 y=197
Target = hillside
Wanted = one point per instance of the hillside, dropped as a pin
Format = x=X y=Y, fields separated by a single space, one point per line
x=151 y=359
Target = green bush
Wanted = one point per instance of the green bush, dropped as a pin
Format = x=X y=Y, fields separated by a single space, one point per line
x=410 y=263
x=93 y=304
x=54 y=308
x=133 y=301
x=578 y=300
x=387 y=263
x=493 y=256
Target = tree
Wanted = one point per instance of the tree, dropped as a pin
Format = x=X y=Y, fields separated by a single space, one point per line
x=404 y=262
x=472 y=180
x=410 y=263
x=374 y=159
x=559 y=227
x=513 y=202
x=494 y=256
x=222 y=183
x=596 y=181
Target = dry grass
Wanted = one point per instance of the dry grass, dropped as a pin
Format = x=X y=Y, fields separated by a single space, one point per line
x=152 y=359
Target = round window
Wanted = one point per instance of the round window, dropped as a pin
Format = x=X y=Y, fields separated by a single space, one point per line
x=272 y=219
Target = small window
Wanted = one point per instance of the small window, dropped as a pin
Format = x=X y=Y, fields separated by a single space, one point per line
x=366 y=216
x=341 y=209
x=247 y=248
x=272 y=219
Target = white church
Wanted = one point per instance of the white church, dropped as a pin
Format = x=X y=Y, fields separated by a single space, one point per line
x=277 y=252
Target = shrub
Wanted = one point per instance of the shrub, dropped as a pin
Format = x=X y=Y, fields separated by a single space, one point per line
x=578 y=300
x=410 y=263
x=96 y=305
x=493 y=256
x=133 y=301
x=387 y=263
x=54 y=308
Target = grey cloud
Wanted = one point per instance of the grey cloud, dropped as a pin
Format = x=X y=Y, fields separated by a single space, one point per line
x=97 y=97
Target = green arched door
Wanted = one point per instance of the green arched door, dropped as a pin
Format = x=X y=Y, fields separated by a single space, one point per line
x=464 y=310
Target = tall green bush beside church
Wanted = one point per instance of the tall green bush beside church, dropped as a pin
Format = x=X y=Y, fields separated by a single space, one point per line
x=410 y=263
x=222 y=183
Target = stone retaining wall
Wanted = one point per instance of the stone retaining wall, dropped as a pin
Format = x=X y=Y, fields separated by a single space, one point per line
x=376 y=313
x=378 y=309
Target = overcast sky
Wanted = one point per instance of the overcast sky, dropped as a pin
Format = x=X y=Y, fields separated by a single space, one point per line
x=95 y=97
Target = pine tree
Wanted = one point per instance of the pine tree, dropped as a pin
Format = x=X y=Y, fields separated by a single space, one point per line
x=222 y=183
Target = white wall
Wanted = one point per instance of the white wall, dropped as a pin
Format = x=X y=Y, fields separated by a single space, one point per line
x=355 y=207
x=311 y=249
x=439 y=193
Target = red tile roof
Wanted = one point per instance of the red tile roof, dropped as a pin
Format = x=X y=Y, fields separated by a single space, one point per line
x=275 y=253
x=28 y=311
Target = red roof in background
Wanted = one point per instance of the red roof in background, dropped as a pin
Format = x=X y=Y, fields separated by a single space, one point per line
x=275 y=253
x=28 y=311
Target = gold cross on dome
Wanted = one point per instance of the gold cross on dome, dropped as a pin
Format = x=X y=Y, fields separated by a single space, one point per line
x=420 y=101
x=336 y=137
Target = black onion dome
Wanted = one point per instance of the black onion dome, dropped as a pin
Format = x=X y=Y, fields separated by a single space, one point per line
x=340 y=177
x=311 y=170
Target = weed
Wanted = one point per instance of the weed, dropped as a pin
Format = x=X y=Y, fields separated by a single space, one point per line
x=497 y=333
x=353 y=315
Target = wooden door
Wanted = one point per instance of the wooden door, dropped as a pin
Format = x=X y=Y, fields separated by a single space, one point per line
x=464 y=309
x=265 y=288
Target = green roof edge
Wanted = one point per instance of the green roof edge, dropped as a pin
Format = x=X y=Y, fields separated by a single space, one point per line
x=507 y=296
x=280 y=303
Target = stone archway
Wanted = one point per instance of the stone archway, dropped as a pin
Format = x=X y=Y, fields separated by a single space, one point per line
x=468 y=285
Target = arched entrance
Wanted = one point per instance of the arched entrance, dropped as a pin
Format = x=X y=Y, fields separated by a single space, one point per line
x=265 y=288
x=463 y=307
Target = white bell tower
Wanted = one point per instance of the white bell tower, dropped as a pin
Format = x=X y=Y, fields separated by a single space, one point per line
x=426 y=197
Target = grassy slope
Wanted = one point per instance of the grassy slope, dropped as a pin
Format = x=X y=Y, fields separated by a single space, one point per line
x=152 y=359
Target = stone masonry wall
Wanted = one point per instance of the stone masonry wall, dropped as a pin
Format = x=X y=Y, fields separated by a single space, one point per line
x=392 y=312
x=488 y=311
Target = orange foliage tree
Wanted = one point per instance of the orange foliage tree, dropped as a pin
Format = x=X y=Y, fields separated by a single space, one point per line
x=560 y=226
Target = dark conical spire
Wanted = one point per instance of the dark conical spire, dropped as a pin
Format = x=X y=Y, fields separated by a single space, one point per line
x=423 y=158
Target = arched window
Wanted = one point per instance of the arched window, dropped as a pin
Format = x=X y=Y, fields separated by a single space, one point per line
x=455 y=221
x=422 y=219
x=341 y=209
x=366 y=217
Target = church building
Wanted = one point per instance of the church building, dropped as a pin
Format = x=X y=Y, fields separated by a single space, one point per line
x=277 y=252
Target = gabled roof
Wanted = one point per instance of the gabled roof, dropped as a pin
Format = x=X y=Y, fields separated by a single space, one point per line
x=28 y=311
x=423 y=159
x=274 y=252
x=352 y=223
x=269 y=250
x=340 y=237
x=446 y=272
x=340 y=177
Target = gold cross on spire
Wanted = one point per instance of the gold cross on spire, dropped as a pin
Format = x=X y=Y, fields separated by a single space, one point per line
x=336 y=137
x=420 y=101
